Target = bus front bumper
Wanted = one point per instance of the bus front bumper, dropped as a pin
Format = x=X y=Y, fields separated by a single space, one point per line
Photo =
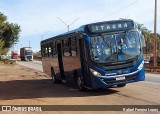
x=109 y=81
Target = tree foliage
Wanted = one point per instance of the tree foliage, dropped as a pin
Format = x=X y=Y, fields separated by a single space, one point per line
x=9 y=34
x=149 y=38
x=1 y=45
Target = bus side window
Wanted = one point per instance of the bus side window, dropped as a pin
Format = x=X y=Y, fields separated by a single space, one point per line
x=66 y=47
x=43 y=50
x=49 y=51
x=73 y=46
x=46 y=51
x=54 y=50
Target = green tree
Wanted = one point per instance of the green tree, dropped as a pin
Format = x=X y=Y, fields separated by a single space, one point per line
x=158 y=43
x=1 y=45
x=148 y=39
x=147 y=35
x=142 y=28
x=9 y=34
x=3 y=18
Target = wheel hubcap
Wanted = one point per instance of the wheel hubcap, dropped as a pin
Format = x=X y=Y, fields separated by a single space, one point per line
x=53 y=78
x=79 y=82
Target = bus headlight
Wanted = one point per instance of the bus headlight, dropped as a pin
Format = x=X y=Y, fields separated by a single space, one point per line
x=141 y=65
x=95 y=72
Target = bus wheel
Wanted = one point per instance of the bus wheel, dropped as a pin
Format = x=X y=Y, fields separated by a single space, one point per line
x=53 y=76
x=121 y=85
x=80 y=83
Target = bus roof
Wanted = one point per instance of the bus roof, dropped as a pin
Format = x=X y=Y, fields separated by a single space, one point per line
x=105 y=26
x=70 y=33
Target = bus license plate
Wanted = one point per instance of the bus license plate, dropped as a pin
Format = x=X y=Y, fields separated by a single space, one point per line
x=120 y=78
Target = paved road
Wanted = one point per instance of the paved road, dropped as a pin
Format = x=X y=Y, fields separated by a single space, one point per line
x=153 y=78
x=37 y=65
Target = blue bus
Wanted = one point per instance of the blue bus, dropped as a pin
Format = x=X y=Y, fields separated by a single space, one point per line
x=97 y=55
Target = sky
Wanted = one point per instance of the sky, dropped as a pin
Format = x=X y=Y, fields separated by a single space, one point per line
x=39 y=18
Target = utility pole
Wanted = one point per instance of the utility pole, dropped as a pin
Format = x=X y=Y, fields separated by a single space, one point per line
x=66 y=24
x=155 y=38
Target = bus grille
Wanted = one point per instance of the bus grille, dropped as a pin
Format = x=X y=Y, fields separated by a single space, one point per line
x=131 y=78
x=115 y=67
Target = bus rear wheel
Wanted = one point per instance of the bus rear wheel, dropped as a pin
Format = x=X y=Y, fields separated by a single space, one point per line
x=121 y=85
x=53 y=76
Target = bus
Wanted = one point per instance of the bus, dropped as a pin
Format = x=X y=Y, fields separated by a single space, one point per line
x=93 y=55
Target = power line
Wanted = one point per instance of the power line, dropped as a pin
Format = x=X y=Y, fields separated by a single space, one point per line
x=120 y=9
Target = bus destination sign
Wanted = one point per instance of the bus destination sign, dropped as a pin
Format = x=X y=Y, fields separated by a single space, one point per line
x=111 y=26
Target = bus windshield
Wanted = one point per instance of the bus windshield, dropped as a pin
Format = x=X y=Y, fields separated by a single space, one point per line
x=115 y=47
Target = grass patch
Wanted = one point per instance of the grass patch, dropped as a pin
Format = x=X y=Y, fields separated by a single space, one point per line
x=8 y=62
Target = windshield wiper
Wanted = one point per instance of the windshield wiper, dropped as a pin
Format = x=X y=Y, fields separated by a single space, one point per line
x=104 y=39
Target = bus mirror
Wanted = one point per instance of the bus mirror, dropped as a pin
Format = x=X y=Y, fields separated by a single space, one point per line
x=143 y=43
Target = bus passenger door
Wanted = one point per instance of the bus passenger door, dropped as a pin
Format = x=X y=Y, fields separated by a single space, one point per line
x=60 y=60
x=84 y=62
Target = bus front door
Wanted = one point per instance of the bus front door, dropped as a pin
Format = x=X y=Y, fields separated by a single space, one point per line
x=84 y=62
x=60 y=61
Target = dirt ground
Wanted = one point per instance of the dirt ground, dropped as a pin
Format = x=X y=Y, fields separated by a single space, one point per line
x=15 y=80
x=17 y=72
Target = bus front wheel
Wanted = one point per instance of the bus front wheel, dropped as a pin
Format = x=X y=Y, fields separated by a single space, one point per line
x=80 y=83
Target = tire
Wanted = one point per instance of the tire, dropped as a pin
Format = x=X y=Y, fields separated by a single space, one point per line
x=80 y=83
x=121 y=85
x=53 y=77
